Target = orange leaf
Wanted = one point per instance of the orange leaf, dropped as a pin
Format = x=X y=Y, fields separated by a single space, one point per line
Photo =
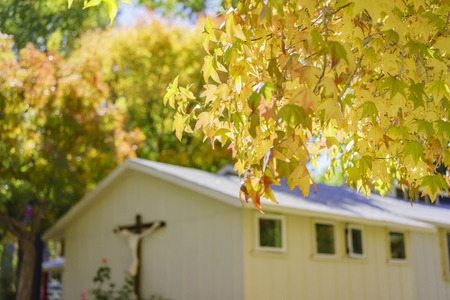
x=305 y=98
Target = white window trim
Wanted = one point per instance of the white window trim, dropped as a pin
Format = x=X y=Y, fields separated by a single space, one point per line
x=397 y=260
x=258 y=246
x=350 y=244
x=325 y=255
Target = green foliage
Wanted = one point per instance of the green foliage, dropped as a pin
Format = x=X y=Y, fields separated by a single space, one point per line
x=48 y=24
x=60 y=136
x=182 y=7
x=58 y=139
x=105 y=289
x=329 y=178
x=172 y=7
x=137 y=63
x=7 y=274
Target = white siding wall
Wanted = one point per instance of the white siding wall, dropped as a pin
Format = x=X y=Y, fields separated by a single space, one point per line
x=197 y=256
x=430 y=263
x=298 y=274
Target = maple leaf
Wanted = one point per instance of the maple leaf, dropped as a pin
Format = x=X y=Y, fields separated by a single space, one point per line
x=415 y=150
x=249 y=187
x=305 y=98
x=391 y=36
x=253 y=188
x=224 y=135
x=443 y=129
x=433 y=184
x=365 y=163
x=300 y=177
x=369 y=109
x=262 y=89
x=268 y=111
x=439 y=89
x=394 y=86
x=293 y=115
x=337 y=52
x=416 y=94
x=208 y=69
x=178 y=125
x=426 y=126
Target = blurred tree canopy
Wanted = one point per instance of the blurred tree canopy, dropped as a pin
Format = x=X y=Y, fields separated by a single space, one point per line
x=192 y=6
x=48 y=23
x=60 y=136
x=137 y=63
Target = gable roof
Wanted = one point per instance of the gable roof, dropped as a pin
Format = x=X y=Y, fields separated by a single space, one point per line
x=338 y=203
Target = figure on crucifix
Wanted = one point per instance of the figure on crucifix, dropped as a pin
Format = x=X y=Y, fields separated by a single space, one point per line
x=134 y=234
x=133 y=240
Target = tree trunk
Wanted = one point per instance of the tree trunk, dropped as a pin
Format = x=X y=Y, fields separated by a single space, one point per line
x=28 y=257
x=37 y=277
x=26 y=268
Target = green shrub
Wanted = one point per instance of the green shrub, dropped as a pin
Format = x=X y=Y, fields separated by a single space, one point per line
x=106 y=290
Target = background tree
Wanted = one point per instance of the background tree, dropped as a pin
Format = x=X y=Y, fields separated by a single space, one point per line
x=365 y=81
x=47 y=23
x=60 y=136
x=181 y=7
x=137 y=62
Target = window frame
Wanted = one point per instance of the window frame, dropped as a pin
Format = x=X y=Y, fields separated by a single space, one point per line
x=349 y=241
x=258 y=246
x=397 y=260
x=315 y=245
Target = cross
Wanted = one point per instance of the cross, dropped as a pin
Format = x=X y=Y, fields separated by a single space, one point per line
x=134 y=233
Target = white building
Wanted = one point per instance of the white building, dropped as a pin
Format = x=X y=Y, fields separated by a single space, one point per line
x=333 y=245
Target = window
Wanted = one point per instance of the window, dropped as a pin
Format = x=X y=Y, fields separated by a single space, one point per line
x=355 y=247
x=325 y=239
x=397 y=245
x=270 y=233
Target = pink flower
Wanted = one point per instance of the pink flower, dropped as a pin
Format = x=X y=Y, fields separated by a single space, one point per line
x=83 y=295
x=104 y=260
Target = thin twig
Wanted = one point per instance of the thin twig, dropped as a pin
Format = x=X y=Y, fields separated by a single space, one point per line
x=349 y=80
x=325 y=62
x=403 y=63
x=428 y=79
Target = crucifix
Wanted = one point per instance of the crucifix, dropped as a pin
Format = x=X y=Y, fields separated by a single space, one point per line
x=134 y=234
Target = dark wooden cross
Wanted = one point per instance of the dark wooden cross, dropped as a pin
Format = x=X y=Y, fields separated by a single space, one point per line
x=137 y=228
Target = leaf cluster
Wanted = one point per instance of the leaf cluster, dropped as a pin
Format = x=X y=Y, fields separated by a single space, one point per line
x=365 y=82
x=47 y=23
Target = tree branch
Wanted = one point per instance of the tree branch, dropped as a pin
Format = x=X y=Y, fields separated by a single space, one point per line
x=36 y=221
x=14 y=226
x=325 y=61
